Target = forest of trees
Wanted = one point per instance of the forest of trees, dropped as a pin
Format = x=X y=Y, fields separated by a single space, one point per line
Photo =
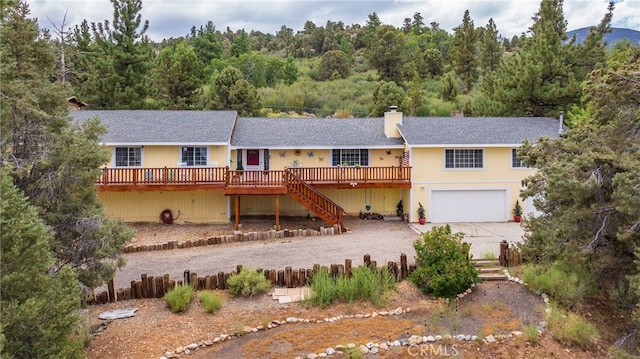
x=53 y=227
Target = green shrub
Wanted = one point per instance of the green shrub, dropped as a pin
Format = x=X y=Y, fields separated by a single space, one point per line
x=324 y=288
x=531 y=333
x=364 y=284
x=247 y=283
x=445 y=267
x=210 y=301
x=566 y=284
x=178 y=298
x=570 y=328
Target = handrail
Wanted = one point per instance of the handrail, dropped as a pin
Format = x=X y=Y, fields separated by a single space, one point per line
x=164 y=175
x=256 y=178
x=313 y=199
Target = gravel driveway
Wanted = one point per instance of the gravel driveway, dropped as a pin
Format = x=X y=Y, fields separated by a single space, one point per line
x=383 y=240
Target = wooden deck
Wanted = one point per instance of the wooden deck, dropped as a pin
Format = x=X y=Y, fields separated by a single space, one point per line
x=249 y=182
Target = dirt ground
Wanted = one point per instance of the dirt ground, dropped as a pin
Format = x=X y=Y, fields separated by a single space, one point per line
x=492 y=308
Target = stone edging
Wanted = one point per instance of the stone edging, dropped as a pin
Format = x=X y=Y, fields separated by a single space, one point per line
x=370 y=347
x=237 y=236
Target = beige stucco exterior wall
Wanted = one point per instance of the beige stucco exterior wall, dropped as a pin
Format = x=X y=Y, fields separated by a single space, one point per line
x=353 y=201
x=187 y=207
x=281 y=159
x=429 y=173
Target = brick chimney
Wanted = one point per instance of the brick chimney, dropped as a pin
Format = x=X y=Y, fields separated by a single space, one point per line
x=391 y=119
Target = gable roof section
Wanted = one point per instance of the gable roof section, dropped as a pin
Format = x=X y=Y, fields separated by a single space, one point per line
x=142 y=127
x=469 y=131
x=253 y=132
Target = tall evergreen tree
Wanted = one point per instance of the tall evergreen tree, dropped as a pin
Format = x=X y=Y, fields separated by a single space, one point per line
x=538 y=80
x=53 y=161
x=178 y=76
x=122 y=56
x=241 y=44
x=490 y=48
x=207 y=43
x=385 y=53
x=464 y=57
x=39 y=308
x=386 y=94
x=587 y=185
x=290 y=71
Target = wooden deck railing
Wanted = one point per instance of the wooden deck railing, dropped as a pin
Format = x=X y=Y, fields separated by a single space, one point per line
x=165 y=175
x=263 y=178
x=316 y=175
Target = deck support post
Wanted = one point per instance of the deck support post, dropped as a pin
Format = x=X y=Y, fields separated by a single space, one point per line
x=277 y=213
x=237 y=213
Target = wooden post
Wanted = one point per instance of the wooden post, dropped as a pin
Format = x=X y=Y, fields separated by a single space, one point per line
x=504 y=247
x=194 y=281
x=367 y=260
x=165 y=282
x=403 y=267
x=302 y=277
x=207 y=282
x=273 y=277
x=133 y=290
x=186 y=276
x=334 y=270
x=237 y=227
x=277 y=213
x=347 y=268
x=149 y=284
x=143 y=277
x=159 y=287
x=112 y=292
x=139 y=290
x=280 y=281
x=221 y=281
x=288 y=277
x=238 y=268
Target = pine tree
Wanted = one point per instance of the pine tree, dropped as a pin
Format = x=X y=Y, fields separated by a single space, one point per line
x=178 y=76
x=490 y=49
x=386 y=94
x=290 y=71
x=538 y=80
x=385 y=53
x=587 y=186
x=39 y=308
x=464 y=57
x=53 y=161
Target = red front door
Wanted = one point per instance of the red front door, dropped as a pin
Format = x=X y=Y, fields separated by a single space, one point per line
x=253 y=157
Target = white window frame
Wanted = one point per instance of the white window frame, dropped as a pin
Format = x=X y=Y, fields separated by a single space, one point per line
x=514 y=158
x=457 y=166
x=129 y=158
x=354 y=162
x=192 y=162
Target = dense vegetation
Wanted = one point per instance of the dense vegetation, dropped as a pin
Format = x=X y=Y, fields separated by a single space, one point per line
x=587 y=186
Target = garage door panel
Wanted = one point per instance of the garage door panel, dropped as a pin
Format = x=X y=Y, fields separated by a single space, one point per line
x=468 y=206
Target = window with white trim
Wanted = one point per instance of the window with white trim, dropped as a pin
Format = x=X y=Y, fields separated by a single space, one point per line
x=464 y=158
x=128 y=156
x=350 y=157
x=194 y=156
x=515 y=161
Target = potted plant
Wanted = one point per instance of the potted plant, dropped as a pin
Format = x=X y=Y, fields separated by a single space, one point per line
x=517 y=212
x=421 y=216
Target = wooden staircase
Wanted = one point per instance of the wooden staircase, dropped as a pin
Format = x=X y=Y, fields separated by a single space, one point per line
x=315 y=201
x=489 y=269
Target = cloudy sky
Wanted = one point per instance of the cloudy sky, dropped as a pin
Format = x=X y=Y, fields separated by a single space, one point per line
x=174 y=18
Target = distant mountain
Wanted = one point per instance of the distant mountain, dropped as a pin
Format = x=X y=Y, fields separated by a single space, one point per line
x=615 y=35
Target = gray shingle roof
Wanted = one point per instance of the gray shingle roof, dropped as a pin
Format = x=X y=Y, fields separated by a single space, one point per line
x=311 y=133
x=434 y=131
x=160 y=127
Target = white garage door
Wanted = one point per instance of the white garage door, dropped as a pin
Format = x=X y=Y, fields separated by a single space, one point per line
x=468 y=206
